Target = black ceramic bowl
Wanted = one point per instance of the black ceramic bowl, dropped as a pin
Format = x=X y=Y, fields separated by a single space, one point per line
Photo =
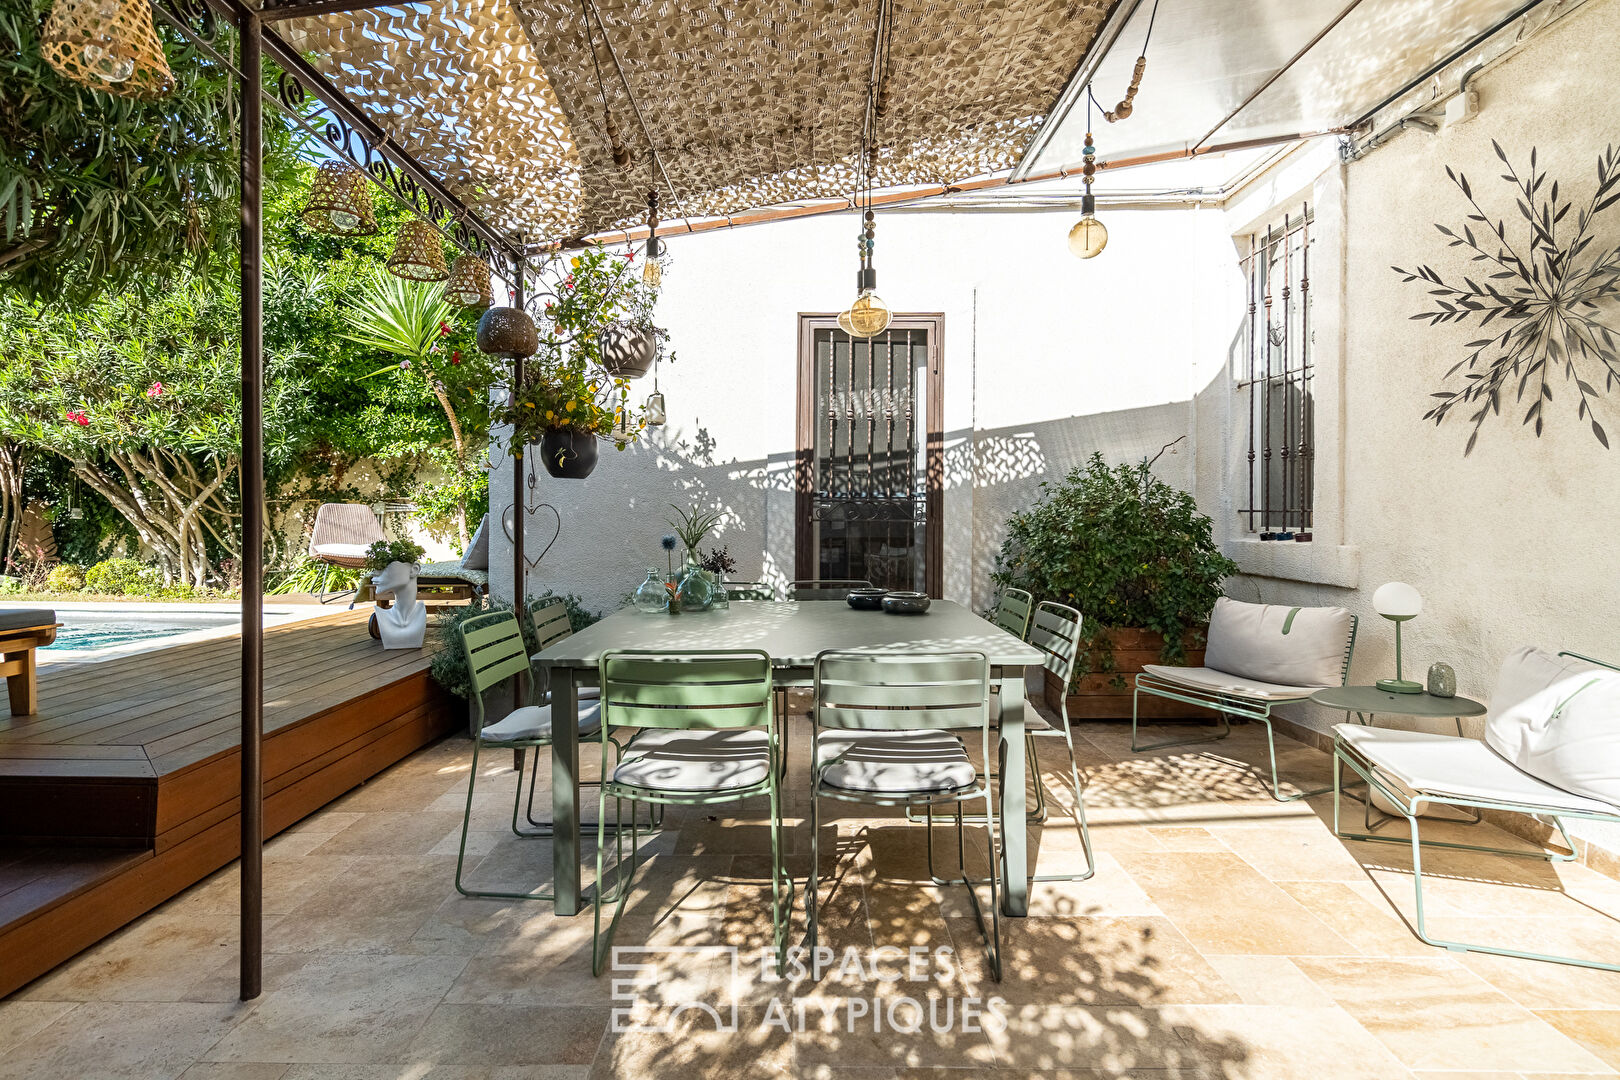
x=905 y=603
x=866 y=599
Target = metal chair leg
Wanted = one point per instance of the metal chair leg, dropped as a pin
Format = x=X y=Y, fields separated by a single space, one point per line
x=1136 y=701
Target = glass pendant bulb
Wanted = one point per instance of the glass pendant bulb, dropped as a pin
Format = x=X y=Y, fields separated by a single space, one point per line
x=868 y=315
x=653 y=412
x=844 y=323
x=652 y=274
x=1088 y=237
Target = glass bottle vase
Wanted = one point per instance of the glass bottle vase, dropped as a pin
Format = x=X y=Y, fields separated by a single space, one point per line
x=651 y=596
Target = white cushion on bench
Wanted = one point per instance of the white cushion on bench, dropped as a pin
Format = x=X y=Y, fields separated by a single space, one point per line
x=1558 y=718
x=1278 y=644
x=1461 y=767
x=1209 y=680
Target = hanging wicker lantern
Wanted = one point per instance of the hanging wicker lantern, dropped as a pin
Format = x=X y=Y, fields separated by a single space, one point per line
x=418 y=254
x=469 y=282
x=340 y=202
x=108 y=45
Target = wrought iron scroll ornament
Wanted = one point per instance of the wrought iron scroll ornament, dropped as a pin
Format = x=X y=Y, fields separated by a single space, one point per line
x=1552 y=293
x=307 y=107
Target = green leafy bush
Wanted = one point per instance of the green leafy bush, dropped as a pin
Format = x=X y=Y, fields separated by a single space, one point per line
x=1124 y=548
x=64 y=577
x=383 y=552
x=121 y=577
x=308 y=575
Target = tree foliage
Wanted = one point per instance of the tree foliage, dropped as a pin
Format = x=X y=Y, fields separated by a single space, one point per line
x=100 y=192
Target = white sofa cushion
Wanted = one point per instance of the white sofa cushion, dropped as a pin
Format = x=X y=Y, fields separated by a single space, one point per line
x=1219 y=682
x=1558 y=719
x=1274 y=643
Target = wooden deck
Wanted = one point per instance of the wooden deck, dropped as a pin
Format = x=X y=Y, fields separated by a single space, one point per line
x=122 y=790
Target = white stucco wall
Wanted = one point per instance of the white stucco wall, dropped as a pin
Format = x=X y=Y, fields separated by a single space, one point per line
x=1046 y=358
x=1516 y=543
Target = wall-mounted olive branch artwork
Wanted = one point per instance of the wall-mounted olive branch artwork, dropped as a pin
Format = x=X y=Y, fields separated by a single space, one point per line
x=1548 y=292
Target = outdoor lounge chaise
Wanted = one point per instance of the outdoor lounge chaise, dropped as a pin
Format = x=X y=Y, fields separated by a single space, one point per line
x=1258 y=656
x=22 y=630
x=342 y=534
x=1551 y=748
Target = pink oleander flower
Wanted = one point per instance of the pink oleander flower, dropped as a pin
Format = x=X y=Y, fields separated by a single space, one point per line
x=78 y=418
x=155 y=390
x=404 y=365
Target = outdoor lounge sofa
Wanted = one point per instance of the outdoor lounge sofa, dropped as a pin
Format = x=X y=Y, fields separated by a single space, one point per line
x=1257 y=657
x=1551 y=748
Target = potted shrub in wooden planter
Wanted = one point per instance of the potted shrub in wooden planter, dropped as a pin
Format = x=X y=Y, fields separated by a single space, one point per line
x=1139 y=562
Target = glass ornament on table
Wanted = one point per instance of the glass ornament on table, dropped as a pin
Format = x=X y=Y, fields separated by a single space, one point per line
x=652 y=596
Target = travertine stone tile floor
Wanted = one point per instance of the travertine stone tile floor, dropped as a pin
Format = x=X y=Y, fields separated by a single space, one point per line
x=1225 y=935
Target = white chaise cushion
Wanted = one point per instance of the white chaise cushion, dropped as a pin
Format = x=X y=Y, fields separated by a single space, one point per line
x=1558 y=719
x=342 y=551
x=1461 y=767
x=894 y=762
x=534 y=722
x=1210 y=680
x=680 y=760
x=1274 y=643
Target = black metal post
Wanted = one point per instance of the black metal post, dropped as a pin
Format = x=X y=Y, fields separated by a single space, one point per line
x=520 y=465
x=252 y=476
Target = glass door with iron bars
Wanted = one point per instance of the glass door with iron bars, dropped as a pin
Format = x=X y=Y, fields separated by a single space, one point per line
x=870 y=466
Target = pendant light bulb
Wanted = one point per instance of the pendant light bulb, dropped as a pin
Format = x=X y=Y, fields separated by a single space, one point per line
x=868 y=315
x=1088 y=237
x=651 y=273
x=844 y=323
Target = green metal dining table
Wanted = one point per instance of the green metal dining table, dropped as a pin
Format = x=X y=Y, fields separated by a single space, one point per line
x=792 y=634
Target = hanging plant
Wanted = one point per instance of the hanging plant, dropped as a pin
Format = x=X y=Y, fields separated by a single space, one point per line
x=568 y=395
x=1549 y=291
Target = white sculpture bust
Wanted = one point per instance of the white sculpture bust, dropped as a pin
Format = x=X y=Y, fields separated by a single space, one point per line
x=404 y=625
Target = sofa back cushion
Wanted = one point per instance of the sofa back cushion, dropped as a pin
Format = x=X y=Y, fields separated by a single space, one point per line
x=1558 y=719
x=1294 y=646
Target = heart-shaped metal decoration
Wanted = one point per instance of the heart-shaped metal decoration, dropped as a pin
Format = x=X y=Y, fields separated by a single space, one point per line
x=508 y=517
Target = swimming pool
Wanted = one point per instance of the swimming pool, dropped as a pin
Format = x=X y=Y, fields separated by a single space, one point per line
x=90 y=630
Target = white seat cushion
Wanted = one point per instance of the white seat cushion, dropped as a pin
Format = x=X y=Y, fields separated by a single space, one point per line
x=1558 y=719
x=1220 y=682
x=342 y=551
x=1460 y=767
x=1278 y=644
x=680 y=760
x=894 y=762
x=534 y=722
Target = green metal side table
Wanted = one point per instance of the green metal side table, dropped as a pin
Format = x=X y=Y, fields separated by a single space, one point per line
x=1369 y=701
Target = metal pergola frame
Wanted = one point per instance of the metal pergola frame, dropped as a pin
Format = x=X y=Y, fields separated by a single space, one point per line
x=346 y=132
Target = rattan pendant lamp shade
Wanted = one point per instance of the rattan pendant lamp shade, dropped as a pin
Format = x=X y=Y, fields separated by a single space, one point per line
x=469 y=283
x=418 y=254
x=340 y=202
x=108 y=45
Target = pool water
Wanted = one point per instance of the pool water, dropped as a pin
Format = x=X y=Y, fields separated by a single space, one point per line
x=105 y=630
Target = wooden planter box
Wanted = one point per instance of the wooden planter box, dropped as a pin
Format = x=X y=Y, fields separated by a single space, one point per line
x=1107 y=695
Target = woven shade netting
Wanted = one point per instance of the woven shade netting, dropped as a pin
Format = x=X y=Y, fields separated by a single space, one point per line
x=750 y=104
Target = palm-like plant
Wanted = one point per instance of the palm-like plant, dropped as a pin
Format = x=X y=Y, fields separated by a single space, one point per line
x=407 y=319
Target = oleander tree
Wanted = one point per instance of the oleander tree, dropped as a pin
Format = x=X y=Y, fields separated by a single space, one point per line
x=142 y=399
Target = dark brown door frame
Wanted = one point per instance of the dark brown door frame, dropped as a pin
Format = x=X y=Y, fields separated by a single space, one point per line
x=933 y=454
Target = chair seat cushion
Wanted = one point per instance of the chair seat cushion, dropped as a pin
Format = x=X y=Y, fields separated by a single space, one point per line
x=1275 y=643
x=26 y=618
x=434 y=573
x=696 y=761
x=894 y=762
x=1558 y=719
x=1210 y=680
x=340 y=551
x=1461 y=767
x=534 y=722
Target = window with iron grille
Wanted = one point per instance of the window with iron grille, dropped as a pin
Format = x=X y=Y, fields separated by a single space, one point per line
x=1274 y=384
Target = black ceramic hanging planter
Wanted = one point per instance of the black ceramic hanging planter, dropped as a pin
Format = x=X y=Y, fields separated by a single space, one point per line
x=568 y=454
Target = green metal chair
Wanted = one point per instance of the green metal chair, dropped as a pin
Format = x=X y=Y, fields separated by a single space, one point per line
x=749 y=590
x=1230 y=696
x=548 y=618
x=1013 y=612
x=708 y=736
x=1056 y=632
x=889 y=741
x=495 y=652
x=825 y=588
